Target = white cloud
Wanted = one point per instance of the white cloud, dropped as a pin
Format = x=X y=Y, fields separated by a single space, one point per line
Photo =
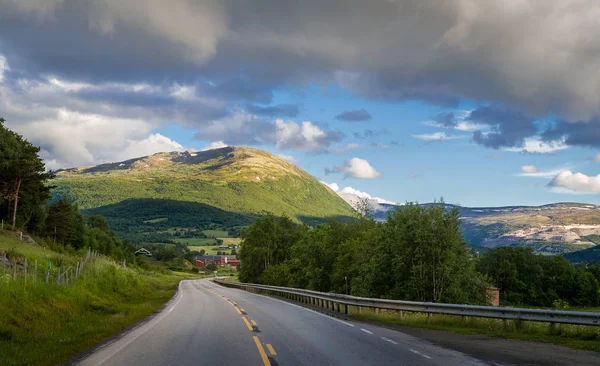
x=529 y=169
x=358 y=168
x=307 y=136
x=568 y=182
x=436 y=136
x=352 y=195
x=3 y=67
x=214 y=145
x=153 y=144
x=536 y=145
x=532 y=171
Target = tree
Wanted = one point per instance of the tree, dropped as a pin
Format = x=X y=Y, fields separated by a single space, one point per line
x=23 y=176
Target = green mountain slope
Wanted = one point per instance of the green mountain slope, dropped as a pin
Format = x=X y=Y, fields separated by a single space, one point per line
x=234 y=182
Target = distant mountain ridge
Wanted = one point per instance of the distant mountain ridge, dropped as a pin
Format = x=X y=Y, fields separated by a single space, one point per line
x=186 y=187
x=551 y=229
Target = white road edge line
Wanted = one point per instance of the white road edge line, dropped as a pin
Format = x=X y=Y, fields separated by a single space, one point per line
x=149 y=326
x=388 y=340
x=419 y=353
x=302 y=307
x=366 y=331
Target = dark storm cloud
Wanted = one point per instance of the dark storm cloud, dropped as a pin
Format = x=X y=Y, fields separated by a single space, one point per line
x=445 y=120
x=278 y=110
x=238 y=52
x=508 y=128
x=575 y=134
x=355 y=115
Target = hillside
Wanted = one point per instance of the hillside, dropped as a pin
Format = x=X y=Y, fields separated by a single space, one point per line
x=551 y=229
x=222 y=188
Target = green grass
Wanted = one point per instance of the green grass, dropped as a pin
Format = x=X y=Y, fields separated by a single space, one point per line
x=47 y=324
x=155 y=221
x=197 y=241
x=575 y=336
x=216 y=233
x=228 y=241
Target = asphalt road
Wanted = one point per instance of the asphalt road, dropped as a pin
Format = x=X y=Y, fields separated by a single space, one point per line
x=207 y=324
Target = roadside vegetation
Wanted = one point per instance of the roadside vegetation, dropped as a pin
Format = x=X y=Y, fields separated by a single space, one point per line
x=417 y=254
x=48 y=323
x=575 y=336
x=44 y=320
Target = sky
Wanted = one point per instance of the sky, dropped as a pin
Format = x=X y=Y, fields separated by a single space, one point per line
x=481 y=103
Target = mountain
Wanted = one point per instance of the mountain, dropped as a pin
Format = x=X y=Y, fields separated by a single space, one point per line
x=550 y=229
x=219 y=189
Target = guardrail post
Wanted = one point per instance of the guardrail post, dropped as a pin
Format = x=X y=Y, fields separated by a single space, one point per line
x=400 y=315
x=346 y=309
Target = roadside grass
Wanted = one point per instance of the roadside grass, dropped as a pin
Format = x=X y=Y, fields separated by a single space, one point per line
x=575 y=336
x=47 y=324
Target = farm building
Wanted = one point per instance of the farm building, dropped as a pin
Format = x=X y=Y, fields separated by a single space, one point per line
x=219 y=260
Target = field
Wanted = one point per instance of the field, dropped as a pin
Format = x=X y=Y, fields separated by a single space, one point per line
x=197 y=241
x=216 y=233
x=209 y=250
x=47 y=324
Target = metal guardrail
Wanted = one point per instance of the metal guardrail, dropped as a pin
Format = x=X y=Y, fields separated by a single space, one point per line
x=335 y=301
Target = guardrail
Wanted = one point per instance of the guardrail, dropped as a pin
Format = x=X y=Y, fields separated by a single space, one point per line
x=335 y=302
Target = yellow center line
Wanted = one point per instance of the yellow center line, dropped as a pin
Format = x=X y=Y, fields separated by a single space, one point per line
x=248 y=324
x=253 y=322
x=261 y=350
x=243 y=311
x=238 y=310
x=271 y=350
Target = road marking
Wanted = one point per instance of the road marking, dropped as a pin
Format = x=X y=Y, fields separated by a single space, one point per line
x=253 y=322
x=419 y=353
x=149 y=326
x=238 y=310
x=271 y=350
x=243 y=311
x=250 y=328
x=261 y=350
x=388 y=340
x=366 y=331
x=312 y=311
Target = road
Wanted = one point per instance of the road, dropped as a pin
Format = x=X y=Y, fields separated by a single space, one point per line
x=207 y=324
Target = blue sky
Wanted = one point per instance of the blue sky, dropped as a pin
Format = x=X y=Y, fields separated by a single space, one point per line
x=481 y=103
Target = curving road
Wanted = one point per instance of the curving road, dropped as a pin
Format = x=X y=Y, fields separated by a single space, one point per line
x=207 y=324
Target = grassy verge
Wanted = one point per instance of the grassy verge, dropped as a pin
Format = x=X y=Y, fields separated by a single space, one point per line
x=46 y=324
x=575 y=336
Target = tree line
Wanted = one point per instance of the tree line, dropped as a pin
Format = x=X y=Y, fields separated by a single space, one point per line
x=25 y=193
x=417 y=254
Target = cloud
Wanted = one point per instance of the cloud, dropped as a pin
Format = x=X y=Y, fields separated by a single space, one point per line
x=354 y=115
x=3 y=67
x=436 y=136
x=595 y=158
x=307 y=136
x=528 y=169
x=369 y=134
x=342 y=149
x=568 y=182
x=457 y=121
x=226 y=54
x=356 y=168
x=214 y=145
x=535 y=145
x=352 y=196
x=279 y=110
x=532 y=171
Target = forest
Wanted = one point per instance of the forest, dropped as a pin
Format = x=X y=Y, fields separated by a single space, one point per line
x=417 y=254
x=25 y=204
